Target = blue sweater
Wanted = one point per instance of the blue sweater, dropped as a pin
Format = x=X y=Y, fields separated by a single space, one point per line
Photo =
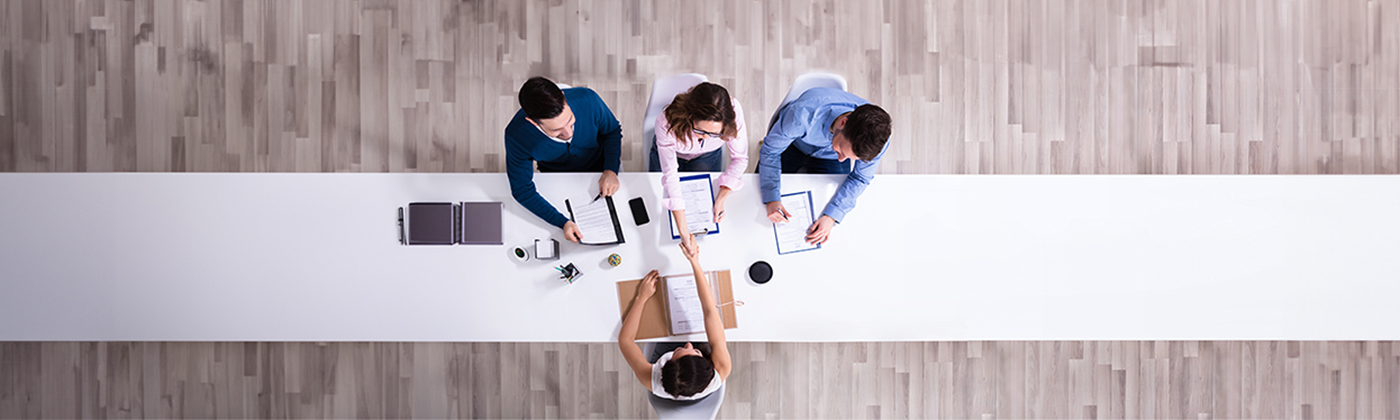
x=596 y=135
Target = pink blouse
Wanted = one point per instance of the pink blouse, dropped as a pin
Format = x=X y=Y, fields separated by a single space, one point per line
x=668 y=149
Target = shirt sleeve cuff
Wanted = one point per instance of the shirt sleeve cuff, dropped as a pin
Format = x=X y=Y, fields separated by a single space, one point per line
x=559 y=220
x=835 y=213
x=771 y=195
x=673 y=204
x=733 y=182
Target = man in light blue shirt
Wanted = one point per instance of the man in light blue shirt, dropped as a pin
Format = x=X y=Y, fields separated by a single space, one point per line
x=820 y=131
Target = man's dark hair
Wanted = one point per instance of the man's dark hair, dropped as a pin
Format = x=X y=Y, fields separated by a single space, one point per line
x=541 y=99
x=687 y=375
x=868 y=128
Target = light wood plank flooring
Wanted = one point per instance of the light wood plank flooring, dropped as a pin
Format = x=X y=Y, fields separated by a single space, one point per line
x=975 y=87
x=1049 y=379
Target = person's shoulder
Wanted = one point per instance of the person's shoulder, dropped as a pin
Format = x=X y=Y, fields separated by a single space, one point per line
x=735 y=102
x=821 y=92
x=519 y=128
x=581 y=94
x=831 y=94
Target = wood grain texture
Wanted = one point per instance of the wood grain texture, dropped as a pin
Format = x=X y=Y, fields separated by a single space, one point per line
x=974 y=87
x=1012 y=379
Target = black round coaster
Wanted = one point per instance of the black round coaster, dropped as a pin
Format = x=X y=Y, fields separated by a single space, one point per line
x=760 y=272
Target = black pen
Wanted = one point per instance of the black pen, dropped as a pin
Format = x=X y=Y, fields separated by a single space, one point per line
x=401 y=240
x=596 y=197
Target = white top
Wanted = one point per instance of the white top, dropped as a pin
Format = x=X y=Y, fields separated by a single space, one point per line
x=315 y=257
x=660 y=391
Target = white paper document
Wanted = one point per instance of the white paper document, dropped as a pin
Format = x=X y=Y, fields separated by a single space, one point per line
x=596 y=220
x=686 y=314
x=792 y=235
x=699 y=196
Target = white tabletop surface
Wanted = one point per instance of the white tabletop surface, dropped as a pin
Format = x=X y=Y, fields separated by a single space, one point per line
x=315 y=257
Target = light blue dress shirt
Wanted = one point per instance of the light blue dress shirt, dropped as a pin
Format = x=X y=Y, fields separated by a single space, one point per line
x=806 y=123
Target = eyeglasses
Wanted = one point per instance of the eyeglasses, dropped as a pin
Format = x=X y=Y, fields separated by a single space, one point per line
x=704 y=134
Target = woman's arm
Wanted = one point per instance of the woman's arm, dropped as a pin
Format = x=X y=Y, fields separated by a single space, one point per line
x=627 y=339
x=714 y=324
x=719 y=203
x=686 y=237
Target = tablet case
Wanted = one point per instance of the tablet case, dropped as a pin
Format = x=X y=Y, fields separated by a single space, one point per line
x=467 y=223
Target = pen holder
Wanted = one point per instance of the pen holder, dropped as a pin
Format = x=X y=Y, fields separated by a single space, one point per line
x=547 y=249
x=569 y=273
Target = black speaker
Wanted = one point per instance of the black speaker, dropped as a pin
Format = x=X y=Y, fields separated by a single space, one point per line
x=760 y=272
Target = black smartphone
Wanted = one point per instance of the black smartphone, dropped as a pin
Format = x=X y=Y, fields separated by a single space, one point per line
x=639 y=211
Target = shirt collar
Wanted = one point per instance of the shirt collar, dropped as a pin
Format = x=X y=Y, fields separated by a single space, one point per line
x=556 y=139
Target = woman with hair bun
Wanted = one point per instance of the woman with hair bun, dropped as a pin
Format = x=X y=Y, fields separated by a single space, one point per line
x=678 y=371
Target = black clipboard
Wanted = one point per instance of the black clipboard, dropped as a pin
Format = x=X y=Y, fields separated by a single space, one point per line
x=612 y=213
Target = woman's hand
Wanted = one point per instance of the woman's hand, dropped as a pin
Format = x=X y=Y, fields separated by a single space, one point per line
x=719 y=210
x=692 y=253
x=647 y=287
x=688 y=241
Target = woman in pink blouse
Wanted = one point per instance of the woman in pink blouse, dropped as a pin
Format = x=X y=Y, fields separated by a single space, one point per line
x=689 y=134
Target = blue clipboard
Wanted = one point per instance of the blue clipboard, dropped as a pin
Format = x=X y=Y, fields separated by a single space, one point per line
x=811 y=214
x=676 y=234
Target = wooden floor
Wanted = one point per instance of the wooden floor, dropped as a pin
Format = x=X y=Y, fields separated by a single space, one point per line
x=974 y=87
x=1061 y=379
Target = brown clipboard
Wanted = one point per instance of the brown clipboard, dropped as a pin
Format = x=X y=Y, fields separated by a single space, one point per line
x=654 y=323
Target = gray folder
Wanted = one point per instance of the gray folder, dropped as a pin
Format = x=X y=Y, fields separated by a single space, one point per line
x=452 y=223
x=481 y=224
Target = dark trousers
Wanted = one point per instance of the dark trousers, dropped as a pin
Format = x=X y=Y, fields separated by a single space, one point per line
x=794 y=161
x=709 y=162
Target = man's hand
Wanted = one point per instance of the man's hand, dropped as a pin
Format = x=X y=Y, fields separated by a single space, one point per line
x=777 y=213
x=820 y=230
x=647 y=287
x=607 y=184
x=571 y=232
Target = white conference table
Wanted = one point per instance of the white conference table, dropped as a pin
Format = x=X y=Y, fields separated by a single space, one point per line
x=315 y=257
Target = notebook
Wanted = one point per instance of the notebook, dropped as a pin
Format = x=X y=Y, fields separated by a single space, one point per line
x=466 y=223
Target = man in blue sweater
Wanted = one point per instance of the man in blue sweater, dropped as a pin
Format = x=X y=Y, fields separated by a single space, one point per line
x=569 y=130
x=820 y=131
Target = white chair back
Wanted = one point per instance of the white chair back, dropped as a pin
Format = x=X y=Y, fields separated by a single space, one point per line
x=662 y=92
x=804 y=83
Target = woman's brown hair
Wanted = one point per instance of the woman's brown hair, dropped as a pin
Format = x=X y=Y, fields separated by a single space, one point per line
x=704 y=102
